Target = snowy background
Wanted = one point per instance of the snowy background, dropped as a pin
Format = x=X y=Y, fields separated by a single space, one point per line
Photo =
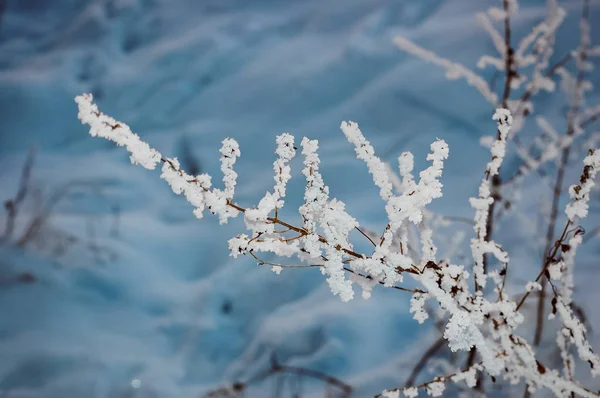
x=123 y=283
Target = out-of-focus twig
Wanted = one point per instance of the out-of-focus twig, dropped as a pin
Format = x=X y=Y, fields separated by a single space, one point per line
x=12 y=205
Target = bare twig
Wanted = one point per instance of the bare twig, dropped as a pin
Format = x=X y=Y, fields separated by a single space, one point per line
x=549 y=260
x=12 y=205
x=366 y=236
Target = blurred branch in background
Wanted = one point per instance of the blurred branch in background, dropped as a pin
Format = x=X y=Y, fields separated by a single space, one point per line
x=29 y=226
x=2 y=8
x=278 y=372
x=12 y=205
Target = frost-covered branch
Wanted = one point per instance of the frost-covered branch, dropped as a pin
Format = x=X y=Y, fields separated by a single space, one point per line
x=324 y=236
x=323 y=240
x=482 y=245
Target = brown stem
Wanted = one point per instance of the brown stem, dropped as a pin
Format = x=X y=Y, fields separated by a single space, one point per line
x=549 y=241
x=365 y=235
x=549 y=260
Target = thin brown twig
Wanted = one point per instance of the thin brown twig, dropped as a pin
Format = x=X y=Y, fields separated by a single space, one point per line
x=549 y=260
x=365 y=235
x=387 y=227
x=350 y=270
x=558 y=186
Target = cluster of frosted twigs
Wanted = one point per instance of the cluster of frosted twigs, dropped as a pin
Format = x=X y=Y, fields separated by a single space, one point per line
x=322 y=240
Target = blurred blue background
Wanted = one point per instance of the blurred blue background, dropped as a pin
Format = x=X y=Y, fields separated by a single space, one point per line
x=120 y=282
